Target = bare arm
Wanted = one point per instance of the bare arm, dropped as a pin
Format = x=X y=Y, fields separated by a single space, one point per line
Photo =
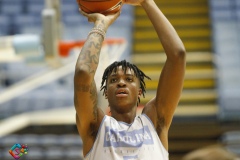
x=88 y=115
x=161 y=108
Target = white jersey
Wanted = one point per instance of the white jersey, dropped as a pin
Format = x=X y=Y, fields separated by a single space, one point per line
x=121 y=141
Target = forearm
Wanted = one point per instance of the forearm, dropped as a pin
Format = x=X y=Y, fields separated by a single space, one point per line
x=89 y=56
x=85 y=92
x=169 y=38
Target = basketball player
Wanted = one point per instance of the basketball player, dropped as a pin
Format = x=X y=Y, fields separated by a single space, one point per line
x=124 y=135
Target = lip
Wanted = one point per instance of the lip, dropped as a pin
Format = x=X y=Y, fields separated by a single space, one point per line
x=119 y=93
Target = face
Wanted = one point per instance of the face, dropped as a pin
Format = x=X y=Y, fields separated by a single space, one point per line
x=123 y=90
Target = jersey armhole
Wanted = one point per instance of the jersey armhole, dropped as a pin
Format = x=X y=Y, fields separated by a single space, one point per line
x=89 y=152
x=149 y=120
x=165 y=150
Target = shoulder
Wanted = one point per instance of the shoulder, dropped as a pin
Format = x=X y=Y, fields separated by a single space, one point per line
x=89 y=133
x=150 y=112
x=158 y=122
x=146 y=120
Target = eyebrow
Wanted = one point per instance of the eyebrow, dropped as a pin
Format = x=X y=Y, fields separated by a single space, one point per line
x=127 y=74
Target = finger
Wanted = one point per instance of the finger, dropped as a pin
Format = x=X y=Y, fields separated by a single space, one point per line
x=114 y=14
x=117 y=14
x=90 y=19
x=83 y=13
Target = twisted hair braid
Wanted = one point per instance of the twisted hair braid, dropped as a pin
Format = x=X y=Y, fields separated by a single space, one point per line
x=125 y=65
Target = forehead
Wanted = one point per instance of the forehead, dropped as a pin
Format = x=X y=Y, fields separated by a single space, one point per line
x=119 y=70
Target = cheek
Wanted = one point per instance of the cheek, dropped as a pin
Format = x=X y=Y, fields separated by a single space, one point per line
x=135 y=90
x=109 y=89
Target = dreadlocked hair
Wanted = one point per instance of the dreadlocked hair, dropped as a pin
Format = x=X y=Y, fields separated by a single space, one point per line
x=113 y=67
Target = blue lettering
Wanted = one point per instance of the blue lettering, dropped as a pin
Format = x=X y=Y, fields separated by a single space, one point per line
x=134 y=138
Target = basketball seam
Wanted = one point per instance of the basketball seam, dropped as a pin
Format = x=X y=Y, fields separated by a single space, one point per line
x=117 y=5
x=96 y=0
x=85 y=8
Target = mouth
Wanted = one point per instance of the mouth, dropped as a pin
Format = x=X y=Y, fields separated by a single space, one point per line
x=121 y=93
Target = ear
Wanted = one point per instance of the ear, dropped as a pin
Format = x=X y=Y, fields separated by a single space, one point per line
x=105 y=93
x=139 y=92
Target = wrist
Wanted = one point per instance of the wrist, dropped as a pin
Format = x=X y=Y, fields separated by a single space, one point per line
x=145 y=3
x=98 y=31
x=101 y=26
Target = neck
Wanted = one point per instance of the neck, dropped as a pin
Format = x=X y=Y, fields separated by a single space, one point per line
x=124 y=117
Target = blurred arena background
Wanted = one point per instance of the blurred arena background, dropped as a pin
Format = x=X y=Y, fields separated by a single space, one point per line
x=39 y=43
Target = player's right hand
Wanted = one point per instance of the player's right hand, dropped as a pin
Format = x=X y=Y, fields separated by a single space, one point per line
x=100 y=20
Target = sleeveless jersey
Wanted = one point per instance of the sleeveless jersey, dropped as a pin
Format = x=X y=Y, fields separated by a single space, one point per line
x=121 y=141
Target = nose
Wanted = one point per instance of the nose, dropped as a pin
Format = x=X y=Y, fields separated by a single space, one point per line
x=121 y=83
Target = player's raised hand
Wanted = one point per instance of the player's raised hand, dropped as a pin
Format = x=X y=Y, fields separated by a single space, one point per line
x=99 y=19
x=133 y=2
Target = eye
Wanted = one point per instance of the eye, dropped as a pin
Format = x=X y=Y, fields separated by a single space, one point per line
x=113 y=80
x=129 y=79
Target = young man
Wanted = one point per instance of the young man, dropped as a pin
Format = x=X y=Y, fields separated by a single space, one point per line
x=123 y=136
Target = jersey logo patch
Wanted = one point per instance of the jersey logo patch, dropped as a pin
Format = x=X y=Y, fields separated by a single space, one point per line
x=135 y=138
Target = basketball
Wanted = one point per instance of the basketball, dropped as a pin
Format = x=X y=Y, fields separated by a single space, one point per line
x=100 y=6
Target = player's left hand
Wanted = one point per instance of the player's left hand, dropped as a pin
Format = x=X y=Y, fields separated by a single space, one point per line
x=133 y=2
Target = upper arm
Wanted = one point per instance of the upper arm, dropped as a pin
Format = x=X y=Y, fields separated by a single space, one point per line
x=162 y=107
x=85 y=101
x=170 y=87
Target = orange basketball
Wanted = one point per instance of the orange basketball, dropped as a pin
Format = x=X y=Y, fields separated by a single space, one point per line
x=100 y=6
